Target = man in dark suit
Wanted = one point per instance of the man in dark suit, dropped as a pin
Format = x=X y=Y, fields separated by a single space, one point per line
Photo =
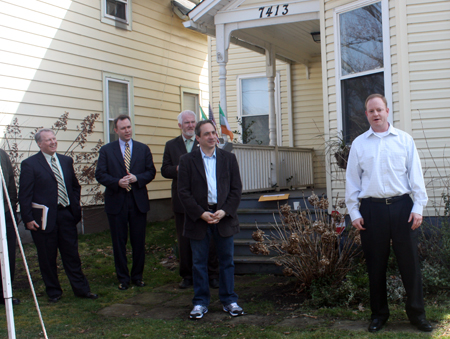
x=8 y=174
x=125 y=167
x=48 y=178
x=209 y=187
x=174 y=149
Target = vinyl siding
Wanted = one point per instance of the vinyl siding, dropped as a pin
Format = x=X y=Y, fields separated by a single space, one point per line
x=52 y=59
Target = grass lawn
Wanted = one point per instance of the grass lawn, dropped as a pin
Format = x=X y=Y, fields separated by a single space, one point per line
x=73 y=317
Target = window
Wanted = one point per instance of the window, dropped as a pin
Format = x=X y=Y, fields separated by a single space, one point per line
x=117 y=13
x=253 y=106
x=190 y=100
x=363 y=62
x=118 y=99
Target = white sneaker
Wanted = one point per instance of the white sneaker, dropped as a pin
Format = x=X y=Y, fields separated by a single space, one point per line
x=198 y=311
x=233 y=309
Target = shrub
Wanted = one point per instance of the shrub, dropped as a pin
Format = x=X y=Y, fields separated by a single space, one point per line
x=310 y=247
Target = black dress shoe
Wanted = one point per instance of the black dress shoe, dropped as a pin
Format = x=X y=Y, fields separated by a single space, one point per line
x=139 y=283
x=376 y=325
x=123 y=286
x=54 y=299
x=214 y=283
x=90 y=295
x=422 y=325
x=185 y=283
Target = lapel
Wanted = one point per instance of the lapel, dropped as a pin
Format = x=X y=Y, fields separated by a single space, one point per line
x=181 y=145
x=198 y=162
x=43 y=162
x=118 y=153
x=134 y=154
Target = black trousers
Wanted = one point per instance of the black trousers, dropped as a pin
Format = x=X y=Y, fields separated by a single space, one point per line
x=129 y=217
x=384 y=223
x=185 y=252
x=65 y=238
x=11 y=239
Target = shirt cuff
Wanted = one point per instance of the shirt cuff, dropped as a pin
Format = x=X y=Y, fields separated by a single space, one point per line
x=355 y=215
x=417 y=209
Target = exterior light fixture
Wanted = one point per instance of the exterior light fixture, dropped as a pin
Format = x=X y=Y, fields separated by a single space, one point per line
x=316 y=36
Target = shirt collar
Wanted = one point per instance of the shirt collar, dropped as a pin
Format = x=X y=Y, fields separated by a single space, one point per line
x=205 y=156
x=391 y=130
x=48 y=157
x=122 y=143
x=184 y=139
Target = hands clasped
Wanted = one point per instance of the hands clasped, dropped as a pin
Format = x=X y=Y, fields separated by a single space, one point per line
x=126 y=180
x=213 y=218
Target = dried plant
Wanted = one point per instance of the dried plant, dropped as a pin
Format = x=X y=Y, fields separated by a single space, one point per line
x=309 y=244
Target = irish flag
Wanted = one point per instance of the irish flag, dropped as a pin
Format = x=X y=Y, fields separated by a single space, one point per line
x=225 y=128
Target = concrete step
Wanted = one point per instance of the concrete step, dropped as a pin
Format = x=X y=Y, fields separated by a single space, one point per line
x=252 y=215
x=247 y=230
x=256 y=265
x=242 y=248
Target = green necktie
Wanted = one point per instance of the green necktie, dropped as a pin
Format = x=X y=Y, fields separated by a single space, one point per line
x=189 y=145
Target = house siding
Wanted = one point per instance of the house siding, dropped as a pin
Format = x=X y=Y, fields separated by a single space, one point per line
x=54 y=54
x=420 y=84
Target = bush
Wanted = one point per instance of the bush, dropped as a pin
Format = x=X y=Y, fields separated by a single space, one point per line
x=311 y=247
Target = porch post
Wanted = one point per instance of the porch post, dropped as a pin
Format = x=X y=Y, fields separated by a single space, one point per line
x=270 y=73
x=222 y=44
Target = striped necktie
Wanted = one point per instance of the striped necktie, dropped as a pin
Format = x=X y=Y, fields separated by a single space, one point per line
x=127 y=160
x=63 y=199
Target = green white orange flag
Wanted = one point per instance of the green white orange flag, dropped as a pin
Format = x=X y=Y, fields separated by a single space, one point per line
x=203 y=113
x=224 y=127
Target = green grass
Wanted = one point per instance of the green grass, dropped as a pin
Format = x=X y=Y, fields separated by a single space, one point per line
x=73 y=317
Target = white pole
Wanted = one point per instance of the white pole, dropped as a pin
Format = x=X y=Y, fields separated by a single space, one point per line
x=6 y=275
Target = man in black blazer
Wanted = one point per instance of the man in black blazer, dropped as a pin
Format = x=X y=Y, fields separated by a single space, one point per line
x=174 y=149
x=209 y=187
x=48 y=178
x=125 y=167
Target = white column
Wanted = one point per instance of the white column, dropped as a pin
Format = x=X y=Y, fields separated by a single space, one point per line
x=270 y=73
x=222 y=43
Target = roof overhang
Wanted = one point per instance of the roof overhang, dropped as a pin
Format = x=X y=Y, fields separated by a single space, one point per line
x=286 y=27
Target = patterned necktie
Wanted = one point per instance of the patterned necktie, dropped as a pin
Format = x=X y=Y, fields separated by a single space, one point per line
x=127 y=160
x=62 y=193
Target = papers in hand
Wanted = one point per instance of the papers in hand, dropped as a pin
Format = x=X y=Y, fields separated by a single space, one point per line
x=43 y=211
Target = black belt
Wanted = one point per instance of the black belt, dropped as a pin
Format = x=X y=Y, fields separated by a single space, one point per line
x=387 y=201
x=212 y=208
x=61 y=207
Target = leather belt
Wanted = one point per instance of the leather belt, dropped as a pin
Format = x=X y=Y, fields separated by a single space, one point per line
x=212 y=208
x=61 y=207
x=387 y=201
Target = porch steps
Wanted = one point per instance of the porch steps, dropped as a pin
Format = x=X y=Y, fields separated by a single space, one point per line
x=263 y=215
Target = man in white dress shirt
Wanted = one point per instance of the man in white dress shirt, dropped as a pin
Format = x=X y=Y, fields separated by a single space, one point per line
x=383 y=170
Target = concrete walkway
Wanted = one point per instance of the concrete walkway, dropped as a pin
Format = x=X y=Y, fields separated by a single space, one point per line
x=169 y=302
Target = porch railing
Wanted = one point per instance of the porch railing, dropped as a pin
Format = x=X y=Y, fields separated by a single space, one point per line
x=265 y=168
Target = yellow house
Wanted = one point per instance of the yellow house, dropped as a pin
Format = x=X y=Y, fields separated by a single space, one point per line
x=312 y=63
x=104 y=57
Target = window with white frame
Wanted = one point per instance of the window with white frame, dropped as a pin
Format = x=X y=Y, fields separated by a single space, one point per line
x=190 y=100
x=118 y=99
x=117 y=13
x=363 y=61
x=253 y=107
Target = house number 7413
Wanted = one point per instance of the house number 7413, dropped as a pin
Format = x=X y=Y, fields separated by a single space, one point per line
x=272 y=10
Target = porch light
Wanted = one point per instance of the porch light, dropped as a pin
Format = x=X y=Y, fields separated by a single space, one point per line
x=316 y=36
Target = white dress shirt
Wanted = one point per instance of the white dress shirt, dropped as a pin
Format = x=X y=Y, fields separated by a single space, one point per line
x=383 y=165
x=210 y=171
x=122 y=146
